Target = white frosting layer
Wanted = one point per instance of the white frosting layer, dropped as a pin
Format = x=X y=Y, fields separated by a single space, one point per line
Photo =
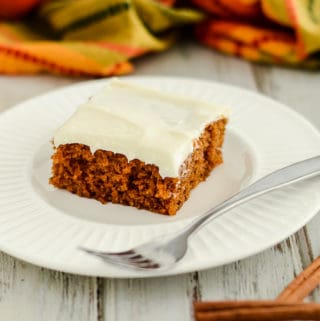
x=141 y=123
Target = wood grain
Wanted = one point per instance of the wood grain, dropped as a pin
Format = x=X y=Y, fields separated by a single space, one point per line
x=31 y=293
x=14 y=90
x=154 y=299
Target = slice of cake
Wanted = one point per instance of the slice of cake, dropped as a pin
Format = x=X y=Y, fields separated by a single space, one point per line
x=138 y=146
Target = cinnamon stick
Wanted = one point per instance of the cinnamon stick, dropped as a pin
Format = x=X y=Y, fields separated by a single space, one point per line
x=256 y=310
x=233 y=305
x=287 y=306
x=303 y=284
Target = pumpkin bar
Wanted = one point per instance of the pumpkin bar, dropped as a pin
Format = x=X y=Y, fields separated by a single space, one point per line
x=136 y=146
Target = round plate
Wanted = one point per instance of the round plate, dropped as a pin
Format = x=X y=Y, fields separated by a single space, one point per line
x=45 y=226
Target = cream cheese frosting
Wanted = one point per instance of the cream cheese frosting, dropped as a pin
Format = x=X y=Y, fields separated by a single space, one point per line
x=141 y=123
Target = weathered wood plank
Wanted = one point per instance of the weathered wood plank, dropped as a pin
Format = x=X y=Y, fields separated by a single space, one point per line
x=296 y=88
x=154 y=299
x=15 y=89
x=192 y=60
x=262 y=276
x=31 y=293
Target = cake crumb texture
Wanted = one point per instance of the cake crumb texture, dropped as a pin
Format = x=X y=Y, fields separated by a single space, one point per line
x=110 y=177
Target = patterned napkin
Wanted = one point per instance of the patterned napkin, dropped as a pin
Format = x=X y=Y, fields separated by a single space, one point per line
x=89 y=37
x=271 y=31
x=100 y=37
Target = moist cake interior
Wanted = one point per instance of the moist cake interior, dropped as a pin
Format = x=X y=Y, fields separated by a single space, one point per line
x=110 y=177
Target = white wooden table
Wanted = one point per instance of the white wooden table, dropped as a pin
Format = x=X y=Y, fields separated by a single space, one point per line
x=30 y=293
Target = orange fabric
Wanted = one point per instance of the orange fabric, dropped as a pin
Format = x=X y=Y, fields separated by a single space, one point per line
x=271 y=31
x=89 y=37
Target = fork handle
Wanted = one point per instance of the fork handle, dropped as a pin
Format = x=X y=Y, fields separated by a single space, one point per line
x=280 y=178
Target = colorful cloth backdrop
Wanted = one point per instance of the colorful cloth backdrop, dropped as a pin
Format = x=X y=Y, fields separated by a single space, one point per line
x=270 y=31
x=100 y=37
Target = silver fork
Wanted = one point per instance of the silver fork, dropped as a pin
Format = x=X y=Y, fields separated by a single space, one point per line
x=166 y=250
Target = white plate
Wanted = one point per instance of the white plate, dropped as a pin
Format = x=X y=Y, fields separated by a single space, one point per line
x=44 y=226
